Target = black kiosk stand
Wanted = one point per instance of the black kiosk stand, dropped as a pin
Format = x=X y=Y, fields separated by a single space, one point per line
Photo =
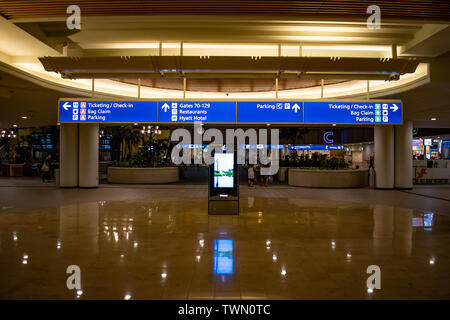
x=223 y=186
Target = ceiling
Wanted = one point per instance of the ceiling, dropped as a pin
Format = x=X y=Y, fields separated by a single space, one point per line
x=228 y=85
x=406 y=9
x=219 y=47
x=19 y=96
x=229 y=67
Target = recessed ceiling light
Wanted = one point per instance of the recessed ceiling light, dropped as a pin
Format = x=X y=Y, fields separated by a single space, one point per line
x=24 y=117
x=14 y=125
x=433 y=119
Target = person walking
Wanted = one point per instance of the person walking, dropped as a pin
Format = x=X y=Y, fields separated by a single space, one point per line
x=371 y=169
x=251 y=176
x=45 y=169
x=256 y=169
x=265 y=176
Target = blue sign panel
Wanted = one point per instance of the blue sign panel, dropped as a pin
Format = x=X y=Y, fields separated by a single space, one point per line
x=261 y=146
x=316 y=147
x=269 y=112
x=107 y=111
x=203 y=111
x=230 y=112
x=353 y=112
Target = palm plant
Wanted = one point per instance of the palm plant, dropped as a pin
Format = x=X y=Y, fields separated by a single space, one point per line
x=294 y=134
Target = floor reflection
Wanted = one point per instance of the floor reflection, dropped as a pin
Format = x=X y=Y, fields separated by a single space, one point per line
x=277 y=249
x=223 y=256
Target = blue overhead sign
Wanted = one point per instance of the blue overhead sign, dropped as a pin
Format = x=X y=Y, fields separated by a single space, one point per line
x=269 y=112
x=203 y=111
x=316 y=147
x=107 y=111
x=353 y=112
x=230 y=112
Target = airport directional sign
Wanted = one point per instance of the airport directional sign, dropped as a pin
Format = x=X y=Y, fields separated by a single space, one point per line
x=369 y=112
x=201 y=111
x=269 y=112
x=353 y=112
x=316 y=147
x=82 y=111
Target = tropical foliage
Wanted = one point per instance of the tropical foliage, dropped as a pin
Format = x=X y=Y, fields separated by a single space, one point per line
x=153 y=154
x=293 y=134
x=123 y=139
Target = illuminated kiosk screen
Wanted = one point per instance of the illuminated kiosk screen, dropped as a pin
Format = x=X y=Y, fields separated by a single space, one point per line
x=224 y=170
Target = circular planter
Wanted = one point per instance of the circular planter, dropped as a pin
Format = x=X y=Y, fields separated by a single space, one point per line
x=283 y=173
x=143 y=175
x=317 y=178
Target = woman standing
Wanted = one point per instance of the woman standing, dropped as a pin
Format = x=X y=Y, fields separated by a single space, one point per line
x=45 y=168
x=251 y=176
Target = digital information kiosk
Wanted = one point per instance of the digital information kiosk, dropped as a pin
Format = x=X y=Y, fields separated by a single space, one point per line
x=223 y=187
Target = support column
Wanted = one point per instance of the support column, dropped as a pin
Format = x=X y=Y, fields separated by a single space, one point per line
x=403 y=156
x=68 y=158
x=384 y=157
x=88 y=156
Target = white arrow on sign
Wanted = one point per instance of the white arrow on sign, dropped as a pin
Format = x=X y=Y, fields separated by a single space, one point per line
x=295 y=107
x=165 y=107
x=66 y=105
x=395 y=108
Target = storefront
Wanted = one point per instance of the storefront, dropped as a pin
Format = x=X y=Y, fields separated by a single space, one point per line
x=431 y=148
x=418 y=149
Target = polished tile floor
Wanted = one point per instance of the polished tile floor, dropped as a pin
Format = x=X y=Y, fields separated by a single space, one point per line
x=277 y=248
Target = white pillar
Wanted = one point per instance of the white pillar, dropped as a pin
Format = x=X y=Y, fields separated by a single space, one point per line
x=88 y=156
x=384 y=157
x=403 y=156
x=68 y=155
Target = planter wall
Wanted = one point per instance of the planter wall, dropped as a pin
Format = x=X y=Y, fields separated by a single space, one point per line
x=143 y=175
x=328 y=178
